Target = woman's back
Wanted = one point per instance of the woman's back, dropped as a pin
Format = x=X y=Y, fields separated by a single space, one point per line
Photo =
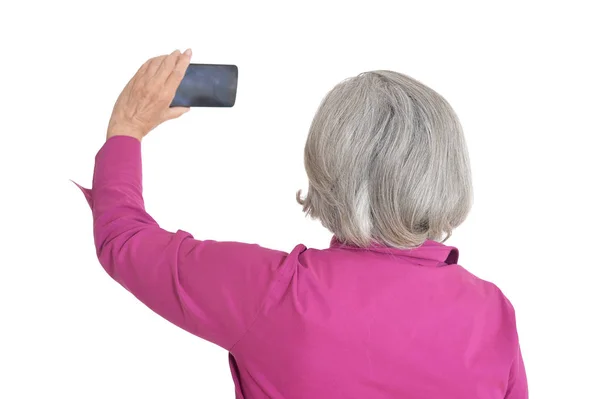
x=379 y=323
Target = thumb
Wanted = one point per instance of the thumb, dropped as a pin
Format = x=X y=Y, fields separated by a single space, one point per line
x=175 y=112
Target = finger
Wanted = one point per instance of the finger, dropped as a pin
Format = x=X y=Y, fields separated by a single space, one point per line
x=144 y=67
x=154 y=65
x=140 y=72
x=175 y=112
x=178 y=72
x=166 y=67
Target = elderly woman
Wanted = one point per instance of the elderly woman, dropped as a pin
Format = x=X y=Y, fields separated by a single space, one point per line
x=384 y=312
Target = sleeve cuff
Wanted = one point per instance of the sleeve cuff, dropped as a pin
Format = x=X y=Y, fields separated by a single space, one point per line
x=120 y=155
x=120 y=158
x=87 y=193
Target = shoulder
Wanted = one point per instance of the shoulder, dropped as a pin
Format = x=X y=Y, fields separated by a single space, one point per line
x=488 y=299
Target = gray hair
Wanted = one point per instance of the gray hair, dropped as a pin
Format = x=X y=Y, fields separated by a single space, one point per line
x=387 y=163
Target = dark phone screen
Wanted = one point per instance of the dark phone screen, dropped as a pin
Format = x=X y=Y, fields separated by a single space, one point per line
x=207 y=85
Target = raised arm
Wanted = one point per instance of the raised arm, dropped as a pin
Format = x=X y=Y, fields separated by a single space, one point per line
x=211 y=289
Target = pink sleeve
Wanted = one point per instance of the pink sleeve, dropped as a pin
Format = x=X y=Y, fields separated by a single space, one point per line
x=517 y=378
x=211 y=289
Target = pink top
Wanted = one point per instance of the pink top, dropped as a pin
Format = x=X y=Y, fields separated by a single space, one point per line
x=343 y=322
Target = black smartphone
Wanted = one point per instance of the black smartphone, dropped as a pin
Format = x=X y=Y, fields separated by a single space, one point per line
x=207 y=85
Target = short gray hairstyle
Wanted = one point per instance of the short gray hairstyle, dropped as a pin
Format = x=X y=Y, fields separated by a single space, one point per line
x=387 y=163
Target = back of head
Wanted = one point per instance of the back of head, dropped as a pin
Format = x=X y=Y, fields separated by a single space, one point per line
x=387 y=163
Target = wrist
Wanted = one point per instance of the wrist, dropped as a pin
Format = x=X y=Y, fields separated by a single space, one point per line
x=124 y=131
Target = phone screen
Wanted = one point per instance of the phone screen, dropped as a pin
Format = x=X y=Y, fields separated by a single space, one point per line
x=207 y=85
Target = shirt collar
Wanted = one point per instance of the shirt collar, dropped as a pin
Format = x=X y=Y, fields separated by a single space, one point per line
x=429 y=250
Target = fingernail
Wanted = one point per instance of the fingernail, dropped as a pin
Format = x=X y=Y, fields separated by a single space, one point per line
x=176 y=52
x=188 y=52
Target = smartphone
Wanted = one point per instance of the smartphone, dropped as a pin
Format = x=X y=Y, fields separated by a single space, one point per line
x=207 y=85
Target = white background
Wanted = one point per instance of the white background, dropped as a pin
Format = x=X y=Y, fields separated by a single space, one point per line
x=522 y=76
